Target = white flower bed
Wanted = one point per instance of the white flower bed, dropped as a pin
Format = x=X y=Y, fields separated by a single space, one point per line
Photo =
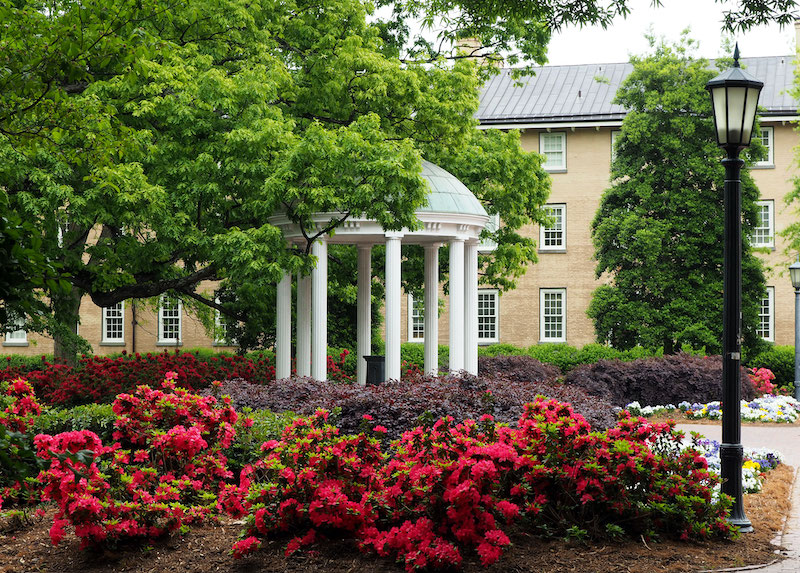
x=764 y=409
x=757 y=462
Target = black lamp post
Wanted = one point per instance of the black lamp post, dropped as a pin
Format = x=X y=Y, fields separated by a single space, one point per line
x=734 y=98
x=794 y=274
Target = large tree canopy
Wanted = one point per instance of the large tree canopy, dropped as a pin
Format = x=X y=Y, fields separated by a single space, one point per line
x=149 y=141
x=658 y=232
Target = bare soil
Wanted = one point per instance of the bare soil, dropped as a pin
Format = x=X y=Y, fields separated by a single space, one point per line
x=26 y=548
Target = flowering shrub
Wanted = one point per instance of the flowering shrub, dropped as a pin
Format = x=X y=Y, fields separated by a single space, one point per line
x=101 y=378
x=762 y=379
x=164 y=469
x=18 y=463
x=452 y=487
x=336 y=369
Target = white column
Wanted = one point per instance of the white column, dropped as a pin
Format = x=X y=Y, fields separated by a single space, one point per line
x=319 y=311
x=364 y=311
x=304 y=326
x=456 y=305
x=283 y=334
x=393 y=269
x=471 y=307
x=432 y=309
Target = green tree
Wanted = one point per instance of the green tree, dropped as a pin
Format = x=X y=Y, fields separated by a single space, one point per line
x=150 y=141
x=659 y=229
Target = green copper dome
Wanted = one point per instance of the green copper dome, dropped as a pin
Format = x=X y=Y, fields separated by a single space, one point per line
x=448 y=194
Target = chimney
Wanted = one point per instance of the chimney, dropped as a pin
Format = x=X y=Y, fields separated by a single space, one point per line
x=474 y=50
x=796 y=34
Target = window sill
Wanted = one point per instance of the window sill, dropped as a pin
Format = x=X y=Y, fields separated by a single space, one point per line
x=562 y=341
x=488 y=342
x=545 y=251
x=223 y=344
x=112 y=343
x=168 y=343
x=763 y=247
x=16 y=343
x=763 y=166
x=556 y=170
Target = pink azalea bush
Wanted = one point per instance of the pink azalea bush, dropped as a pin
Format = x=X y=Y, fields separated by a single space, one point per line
x=18 y=409
x=163 y=471
x=460 y=486
x=762 y=379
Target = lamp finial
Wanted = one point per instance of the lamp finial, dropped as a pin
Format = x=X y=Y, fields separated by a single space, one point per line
x=736 y=56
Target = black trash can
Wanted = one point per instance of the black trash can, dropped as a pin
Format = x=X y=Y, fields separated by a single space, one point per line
x=376 y=369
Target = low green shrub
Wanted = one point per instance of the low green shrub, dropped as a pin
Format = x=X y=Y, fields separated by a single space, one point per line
x=779 y=359
x=97 y=418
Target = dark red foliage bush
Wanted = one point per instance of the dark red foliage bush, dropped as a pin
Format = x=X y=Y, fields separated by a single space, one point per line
x=399 y=406
x=655 y=381
x=100 y=378
x=517 y=368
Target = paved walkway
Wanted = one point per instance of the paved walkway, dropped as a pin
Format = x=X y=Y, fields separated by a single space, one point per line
x=785 y=439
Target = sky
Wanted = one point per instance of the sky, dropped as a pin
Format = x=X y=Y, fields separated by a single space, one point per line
x=592 y=45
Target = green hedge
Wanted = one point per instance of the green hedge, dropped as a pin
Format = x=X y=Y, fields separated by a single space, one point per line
x=779 y=359
x=98 y=418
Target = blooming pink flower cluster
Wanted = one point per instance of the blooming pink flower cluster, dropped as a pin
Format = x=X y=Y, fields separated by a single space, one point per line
x=164 y=469
x=18 y=405
x=459 y=486
x=762 y=380
x=18 y=409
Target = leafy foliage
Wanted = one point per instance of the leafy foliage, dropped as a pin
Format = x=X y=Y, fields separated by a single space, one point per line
x=671 y=379
x=780 y=360
x=399 y=406
x=658 y=231
x=456 y=486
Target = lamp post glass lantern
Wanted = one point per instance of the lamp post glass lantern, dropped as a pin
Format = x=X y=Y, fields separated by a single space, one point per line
x=794 y=274
x=734 y=99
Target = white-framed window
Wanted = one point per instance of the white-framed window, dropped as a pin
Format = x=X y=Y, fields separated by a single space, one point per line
x=113 y=324
x=553 y=315
x=416 y=319
x=491 y=225
x=16 y=335
x=766 y=136
x=764 y=230
x=221 y=328
x=553 y=235
x=553 y=146
x=766 y=316
x=615 y=133
x=488 y=307
x=169 y=320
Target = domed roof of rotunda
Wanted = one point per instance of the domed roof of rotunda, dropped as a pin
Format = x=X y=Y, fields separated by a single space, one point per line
x=448 y=194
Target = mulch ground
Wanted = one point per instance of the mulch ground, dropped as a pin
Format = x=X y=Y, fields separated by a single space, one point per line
x=27 y=548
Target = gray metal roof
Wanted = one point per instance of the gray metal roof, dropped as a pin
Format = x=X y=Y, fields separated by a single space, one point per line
x=448 y=194
x=585 y=92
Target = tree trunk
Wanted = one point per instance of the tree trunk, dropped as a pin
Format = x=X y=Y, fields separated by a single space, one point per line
x=65 y=332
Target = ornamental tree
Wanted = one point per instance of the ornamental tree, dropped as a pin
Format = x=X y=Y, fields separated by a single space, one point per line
x=659 y=229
